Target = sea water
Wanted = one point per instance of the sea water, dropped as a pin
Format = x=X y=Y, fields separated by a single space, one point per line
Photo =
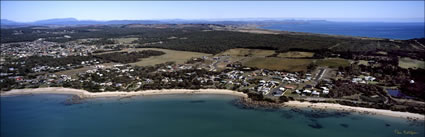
x=184 y=116
x=363 y=29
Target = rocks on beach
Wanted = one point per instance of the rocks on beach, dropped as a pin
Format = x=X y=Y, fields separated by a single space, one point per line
x=74 y=99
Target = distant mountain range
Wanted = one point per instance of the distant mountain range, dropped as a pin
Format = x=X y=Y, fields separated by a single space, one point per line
x=74 y=22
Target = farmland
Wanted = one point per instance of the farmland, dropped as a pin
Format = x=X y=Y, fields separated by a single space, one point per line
x=274 y=63
x=333 y=62
x=291 y=61
x=295 y=54
x=248 y=52
x=411 y=63
x=179 y=57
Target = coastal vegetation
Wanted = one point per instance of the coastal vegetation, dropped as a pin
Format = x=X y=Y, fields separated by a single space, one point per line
x=195 y=38
x=270 y=68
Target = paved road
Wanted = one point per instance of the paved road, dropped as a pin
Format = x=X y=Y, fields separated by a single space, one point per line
x=214 y=64
x=320 y=74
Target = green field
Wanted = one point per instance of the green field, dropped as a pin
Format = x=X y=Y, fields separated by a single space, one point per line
x=126 y=40
x=411 y=63
x=179 y=57
x=247 y=52
x=274 y=63
x=292 y=65
x=333 y=62
x=363 y=62
x=295 y=54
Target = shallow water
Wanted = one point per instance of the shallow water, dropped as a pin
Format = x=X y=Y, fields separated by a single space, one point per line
x=183 y=116
x=363 y=29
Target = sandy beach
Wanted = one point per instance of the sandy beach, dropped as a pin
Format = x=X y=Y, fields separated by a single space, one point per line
x=86 y=94
x=297 y=104
x=360 y=110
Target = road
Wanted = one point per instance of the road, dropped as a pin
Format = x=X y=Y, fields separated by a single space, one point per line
x=320 y=74
x=214 y=64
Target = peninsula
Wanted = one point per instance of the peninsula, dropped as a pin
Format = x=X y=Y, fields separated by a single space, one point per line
x=262 y=65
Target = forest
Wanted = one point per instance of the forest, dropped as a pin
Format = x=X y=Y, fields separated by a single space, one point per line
x=103 y=32
x=201 y=38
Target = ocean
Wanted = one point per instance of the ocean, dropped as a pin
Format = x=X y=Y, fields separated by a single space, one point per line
x=401 y=31
x=184 y=116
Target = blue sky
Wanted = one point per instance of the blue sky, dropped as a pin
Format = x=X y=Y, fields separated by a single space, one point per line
x=26 y=11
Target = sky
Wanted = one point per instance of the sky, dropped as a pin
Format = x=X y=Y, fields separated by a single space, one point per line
x=389 y=11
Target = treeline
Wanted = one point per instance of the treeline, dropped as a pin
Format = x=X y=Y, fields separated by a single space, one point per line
x=125 y=57
x=106 y=32
x=346 y=88
x=218 y=41
x=413 y=108
x=102 y=41
x=194 y=39
x=390 y=74
x=416 y=89
x=53 y=62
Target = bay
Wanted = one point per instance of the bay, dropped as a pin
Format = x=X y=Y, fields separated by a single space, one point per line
x=401 y=31
x=183 y=116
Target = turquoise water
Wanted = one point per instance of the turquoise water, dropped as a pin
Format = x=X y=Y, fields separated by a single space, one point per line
x=363 y=29
x=182 y=116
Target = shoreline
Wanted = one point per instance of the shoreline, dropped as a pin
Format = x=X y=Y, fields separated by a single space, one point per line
x=296 y=104
x=360 y=110
x=85 y=94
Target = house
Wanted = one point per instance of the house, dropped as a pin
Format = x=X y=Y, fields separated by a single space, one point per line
x=307 y=91
x=274 y=82
x=276 y=77
x=325 y=91
x=263 y=90
x=289 y=87
x=277 y=93
x=118 y=85
x=315 y=93
x=298 y=91
x=18 y=78
x=369 y=78
x=308 y=87
x=356 y=80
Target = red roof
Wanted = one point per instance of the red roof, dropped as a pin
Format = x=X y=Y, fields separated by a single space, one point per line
x=290 y=87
